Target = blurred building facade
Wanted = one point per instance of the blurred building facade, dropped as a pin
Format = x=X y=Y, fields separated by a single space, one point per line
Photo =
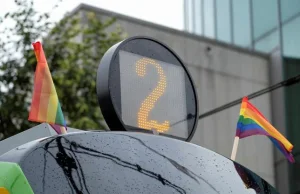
x=221 y=73
x=253 y=24
x=271 y=27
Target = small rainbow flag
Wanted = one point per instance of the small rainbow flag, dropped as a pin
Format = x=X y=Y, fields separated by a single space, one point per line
x=252 y=122
x=45 y=106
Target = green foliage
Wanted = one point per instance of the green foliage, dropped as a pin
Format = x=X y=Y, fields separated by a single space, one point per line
x=73 y=47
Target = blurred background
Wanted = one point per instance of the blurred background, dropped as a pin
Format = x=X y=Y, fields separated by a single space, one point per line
x=231 y=47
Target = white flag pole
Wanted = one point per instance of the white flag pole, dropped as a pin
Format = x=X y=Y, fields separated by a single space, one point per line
x=63 y=130
x=155 y=132
x=234 y=148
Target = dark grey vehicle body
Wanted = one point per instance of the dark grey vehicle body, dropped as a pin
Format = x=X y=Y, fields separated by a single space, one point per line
x=129 y=163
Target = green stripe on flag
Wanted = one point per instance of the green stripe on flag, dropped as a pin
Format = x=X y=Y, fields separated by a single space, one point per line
x=59 y=119
x=246 y=121
x=13 y=179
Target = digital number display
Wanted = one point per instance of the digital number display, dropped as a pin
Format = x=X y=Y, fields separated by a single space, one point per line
x=155 y=91
x=143 y=86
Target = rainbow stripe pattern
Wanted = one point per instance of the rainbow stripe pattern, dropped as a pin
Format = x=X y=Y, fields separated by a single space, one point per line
x=252 y=122
x=45 y=106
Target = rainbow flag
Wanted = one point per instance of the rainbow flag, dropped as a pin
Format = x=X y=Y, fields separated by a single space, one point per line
x=252 y=122
x=45 y=106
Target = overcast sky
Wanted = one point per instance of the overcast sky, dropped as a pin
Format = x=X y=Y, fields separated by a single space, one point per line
x=164 y=12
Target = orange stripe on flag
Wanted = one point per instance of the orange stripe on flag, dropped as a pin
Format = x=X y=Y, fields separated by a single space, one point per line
x=45 y=105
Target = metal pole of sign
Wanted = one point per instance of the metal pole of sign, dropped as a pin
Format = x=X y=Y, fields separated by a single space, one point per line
x=287 y=82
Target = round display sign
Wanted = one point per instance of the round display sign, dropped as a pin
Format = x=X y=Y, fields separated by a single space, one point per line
x=142 y=85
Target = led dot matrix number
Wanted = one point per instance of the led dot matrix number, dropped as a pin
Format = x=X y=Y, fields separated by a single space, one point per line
x=148 y=104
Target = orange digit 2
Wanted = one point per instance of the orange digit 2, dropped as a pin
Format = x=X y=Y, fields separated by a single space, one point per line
x=148 y=104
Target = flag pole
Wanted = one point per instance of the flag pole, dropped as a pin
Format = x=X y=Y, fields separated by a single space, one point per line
x=155 y=132
x=63 y=130
x=234 y=148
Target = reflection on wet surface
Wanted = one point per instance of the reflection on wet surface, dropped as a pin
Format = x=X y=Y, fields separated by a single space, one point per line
x=247 y=178
x=69 y=162
x=176 y=164
x=132 y=163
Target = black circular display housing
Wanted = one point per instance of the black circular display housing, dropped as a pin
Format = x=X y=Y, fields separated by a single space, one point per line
x=142 y=85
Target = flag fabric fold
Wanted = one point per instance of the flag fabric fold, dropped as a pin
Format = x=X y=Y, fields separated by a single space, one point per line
x=252 y=122
x=45 y=106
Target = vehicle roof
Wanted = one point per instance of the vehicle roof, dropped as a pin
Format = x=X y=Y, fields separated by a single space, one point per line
x=129 y=162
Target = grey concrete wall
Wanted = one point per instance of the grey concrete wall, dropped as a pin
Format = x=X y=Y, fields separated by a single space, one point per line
x=223 y=74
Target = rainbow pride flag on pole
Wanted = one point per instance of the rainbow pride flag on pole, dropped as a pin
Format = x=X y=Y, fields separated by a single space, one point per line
x=252 y=122
x=45 y=106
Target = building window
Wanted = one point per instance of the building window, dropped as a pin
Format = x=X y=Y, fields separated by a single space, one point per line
x=265 y=17
x=190 y=15
x=209 y=26
x=223 y=20
x=289 y=8
x=241 y=23
x=198 y=17
x=291 y=38
x=185 y=13
x=268 y=43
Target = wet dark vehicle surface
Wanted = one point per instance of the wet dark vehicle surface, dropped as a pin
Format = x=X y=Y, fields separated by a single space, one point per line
x=129 y=163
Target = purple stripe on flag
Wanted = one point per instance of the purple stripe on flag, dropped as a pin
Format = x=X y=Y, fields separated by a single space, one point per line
x=56 y=128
